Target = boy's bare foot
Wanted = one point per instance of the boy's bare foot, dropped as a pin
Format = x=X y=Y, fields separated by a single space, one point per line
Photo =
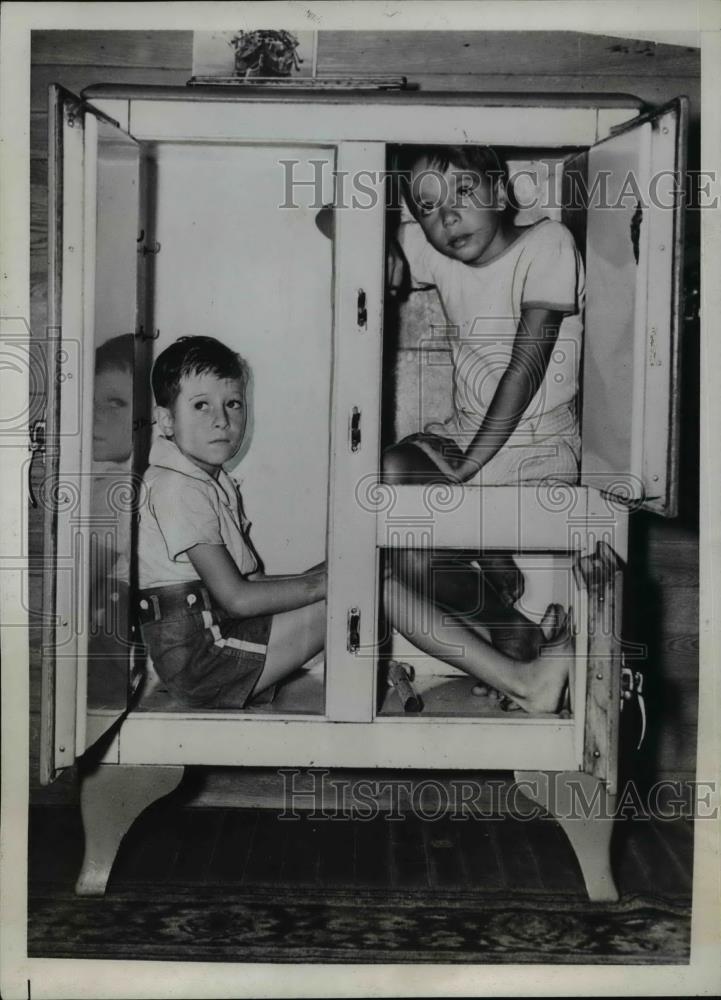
x=547 y=677
x=515 y=636
x=521 y=639
x=553 y=621
x=554 y=631
x=503 y=576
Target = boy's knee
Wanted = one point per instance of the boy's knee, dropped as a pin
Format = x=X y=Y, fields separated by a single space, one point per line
x=394 y=465
x=401 y=465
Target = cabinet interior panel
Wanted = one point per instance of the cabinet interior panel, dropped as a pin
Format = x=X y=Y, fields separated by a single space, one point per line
x=235 y=265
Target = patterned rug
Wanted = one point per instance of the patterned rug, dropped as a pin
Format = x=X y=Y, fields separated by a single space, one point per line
x=285 y=924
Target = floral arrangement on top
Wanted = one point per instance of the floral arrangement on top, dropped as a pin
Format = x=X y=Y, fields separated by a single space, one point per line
x=265 y=53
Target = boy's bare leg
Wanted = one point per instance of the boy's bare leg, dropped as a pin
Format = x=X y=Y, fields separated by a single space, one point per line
x=295 y=637
x=449 y=579
x=537 y=686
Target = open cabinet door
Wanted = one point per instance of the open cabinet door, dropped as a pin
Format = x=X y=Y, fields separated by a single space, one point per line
x=633 y=216
x=92 y=298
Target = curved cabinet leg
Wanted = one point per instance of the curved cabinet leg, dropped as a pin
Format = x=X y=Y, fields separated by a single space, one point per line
x=584 y=810
x=111 y=799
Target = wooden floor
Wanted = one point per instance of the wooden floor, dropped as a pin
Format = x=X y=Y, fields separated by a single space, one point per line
x=224 y=884
x=171 y=846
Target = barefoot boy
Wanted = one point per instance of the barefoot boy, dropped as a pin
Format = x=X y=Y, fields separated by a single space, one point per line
x=513 y=297
x=218 y=630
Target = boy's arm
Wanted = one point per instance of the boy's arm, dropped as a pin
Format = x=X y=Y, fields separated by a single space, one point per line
x=246 y=598
x=532 y=348
x=262 y=575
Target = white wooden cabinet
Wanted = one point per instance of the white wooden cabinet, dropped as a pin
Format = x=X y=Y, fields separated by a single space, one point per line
x=194 y=211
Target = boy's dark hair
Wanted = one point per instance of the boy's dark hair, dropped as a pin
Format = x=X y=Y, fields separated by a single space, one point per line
x=483 y=160
x=193 y=356
x=116 y=353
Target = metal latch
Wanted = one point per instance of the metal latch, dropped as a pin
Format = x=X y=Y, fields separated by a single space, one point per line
x=636 y=220
x=355 y=429
x=632 y=684
x=36 y=446
x=353 y=640
x=362 y=309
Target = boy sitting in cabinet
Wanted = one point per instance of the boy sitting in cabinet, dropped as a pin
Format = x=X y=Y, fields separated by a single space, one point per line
x=513 y=299
x=218 y=629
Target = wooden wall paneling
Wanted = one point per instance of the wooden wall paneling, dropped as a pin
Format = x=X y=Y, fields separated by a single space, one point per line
x=142 y=49
x=38 y=212
x=39 y=135
x=38 y=248
x=541 y=53
x=501 y=53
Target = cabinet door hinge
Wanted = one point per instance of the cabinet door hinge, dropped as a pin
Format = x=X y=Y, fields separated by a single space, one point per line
x=148 y=248
x=142 y=335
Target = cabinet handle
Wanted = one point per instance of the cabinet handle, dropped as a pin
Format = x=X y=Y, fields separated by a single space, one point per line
x=362 y=310
x=36 y=446
x=355 y=429
x=353 y=640
x=632 y=684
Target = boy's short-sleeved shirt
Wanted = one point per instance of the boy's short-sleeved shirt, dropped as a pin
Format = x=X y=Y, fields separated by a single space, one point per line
x=184 y=506
x=482 y=303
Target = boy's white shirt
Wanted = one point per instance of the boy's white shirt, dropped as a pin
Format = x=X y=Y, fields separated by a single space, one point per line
x=183 y=506
x=483 y=304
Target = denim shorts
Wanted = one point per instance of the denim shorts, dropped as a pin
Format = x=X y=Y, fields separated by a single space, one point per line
x=204 y=656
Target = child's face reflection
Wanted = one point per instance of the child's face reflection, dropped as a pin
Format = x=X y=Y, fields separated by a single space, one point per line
x=113 y=416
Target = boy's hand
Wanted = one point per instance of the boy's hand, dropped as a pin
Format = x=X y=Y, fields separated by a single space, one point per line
x=445 y=455
x=396 y=267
